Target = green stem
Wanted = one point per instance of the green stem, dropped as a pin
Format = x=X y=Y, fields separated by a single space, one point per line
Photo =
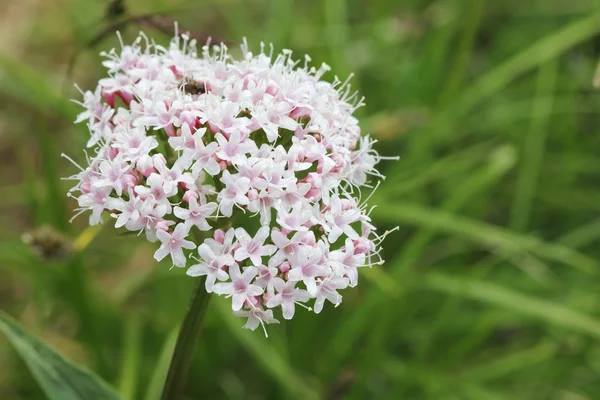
x=186 y=343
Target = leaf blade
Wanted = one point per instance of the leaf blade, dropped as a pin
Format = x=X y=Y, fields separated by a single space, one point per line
x=59 y=379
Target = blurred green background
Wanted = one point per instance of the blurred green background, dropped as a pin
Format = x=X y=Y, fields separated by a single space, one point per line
x=490 y=289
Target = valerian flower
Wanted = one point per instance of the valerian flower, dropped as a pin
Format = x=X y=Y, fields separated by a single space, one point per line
x=183 y=143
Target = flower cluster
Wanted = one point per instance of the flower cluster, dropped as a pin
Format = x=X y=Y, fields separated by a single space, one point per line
x=184 y=145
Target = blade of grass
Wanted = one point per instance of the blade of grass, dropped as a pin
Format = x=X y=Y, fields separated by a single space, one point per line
x=266 y=356
x=511 y=363
x=458 y=70
x=581 y=236
x=159 y=374
x=533 y=149
x=500 y=162
x=131 y=361
x=546 y=311
x=481 y=232
x=21 y=81
x=536 y=54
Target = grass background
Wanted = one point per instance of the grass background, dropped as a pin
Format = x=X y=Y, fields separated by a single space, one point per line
x=490 y=290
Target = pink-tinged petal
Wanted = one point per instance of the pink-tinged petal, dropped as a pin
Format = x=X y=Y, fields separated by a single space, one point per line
x=163 y=236
x=256 y=260
x=197 y=270
x=234 y=272
x=206 y=252
x=181 y=213
x=209 y=283
x=288 y=309
x=262 y=234
x=249 y=274
x=351 y=233
x=279 y=239
x=240 y=254
x=252 y=323
x=268 y=249
x=226 y=208
x=223 y=288
x=318 y=307
x=178 y=257
x=186 y=244
x=237 y=301
x=254 y=290
x=295 y=274
x=274 y=301
x=161 y=253
x=221 y=275
x=311 y=287
x=203 y=225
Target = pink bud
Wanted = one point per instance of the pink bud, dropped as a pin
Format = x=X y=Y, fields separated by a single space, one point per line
x=109 y=98
x=170 y=129
x=112 y=152
x=129 y=180
x=347 y=204
x=85 y=187
x=362 y=246
x=219 y=236
x=162 y=225
x=125 y=96
x=265 y=297
x=272 y=89
x=145 y=165
x=190 y=194
x=159 y=161
x=313 y=194
x=309 y=239
x=284 y=267
x=252 y=302
x=300 y=112
x=252 y=194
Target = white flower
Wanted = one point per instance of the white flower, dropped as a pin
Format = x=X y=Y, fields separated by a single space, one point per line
x=173 y=244
x=253 y=248
x=306 y=266
x=196 y=214
x=327 y=290
x=239 y=289
x=257 y=316
x=234 y=193
x=212 y=266
x=287 y=296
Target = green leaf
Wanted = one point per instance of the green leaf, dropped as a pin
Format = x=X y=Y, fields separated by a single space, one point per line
x=59 y=378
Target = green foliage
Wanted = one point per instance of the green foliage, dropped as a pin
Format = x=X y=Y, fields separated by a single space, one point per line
x=59 y=378
x=489 y=290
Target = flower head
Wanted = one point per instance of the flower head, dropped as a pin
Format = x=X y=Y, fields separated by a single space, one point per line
x=204 y=138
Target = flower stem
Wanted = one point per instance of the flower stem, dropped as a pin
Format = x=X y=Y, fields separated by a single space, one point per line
x=186 y=343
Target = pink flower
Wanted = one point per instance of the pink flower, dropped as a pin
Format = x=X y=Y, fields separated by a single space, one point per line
x=234 y=193
x=196 y=214
x=239 y=289
x=253 y=248
x=211 y=266
x=173 y=244
x=287 y=295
